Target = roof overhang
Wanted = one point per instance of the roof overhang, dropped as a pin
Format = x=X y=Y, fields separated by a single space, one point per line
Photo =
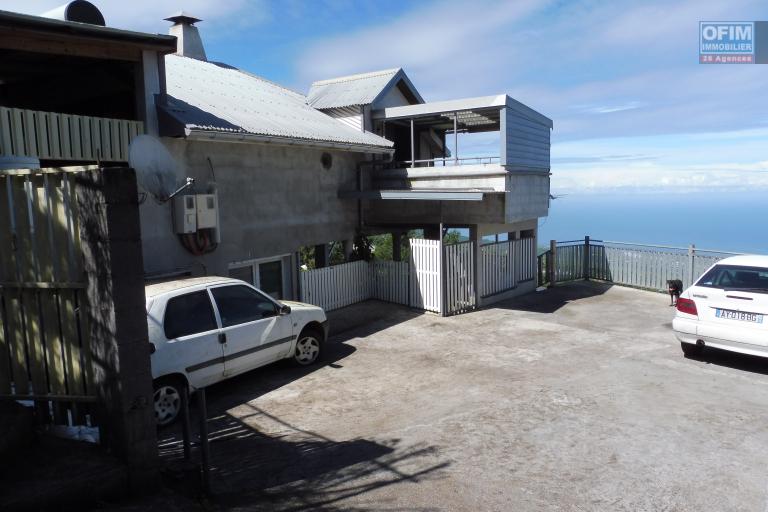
x=252 y=138
x=417 y=195
x=473 y=114
x=45 y=35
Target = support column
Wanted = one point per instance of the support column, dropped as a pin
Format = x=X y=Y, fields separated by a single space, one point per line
x=432 y=232
x=322 y=254
x=552 y=263
x=413 y=146
x=397 y=246
x=116 y=318
x=474 y=236
x=348 y=248
x=456 y=138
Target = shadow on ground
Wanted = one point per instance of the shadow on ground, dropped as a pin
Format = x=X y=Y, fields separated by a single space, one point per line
x=552 y=299
x=734 y=360
x=296 y=469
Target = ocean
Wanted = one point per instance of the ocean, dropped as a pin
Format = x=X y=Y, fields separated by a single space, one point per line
x=729 y=221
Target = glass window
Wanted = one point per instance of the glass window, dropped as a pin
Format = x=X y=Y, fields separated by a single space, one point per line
x=240 y=304
x=187 y=314
x=735 y=277
x=242 y=273
x=271 y=278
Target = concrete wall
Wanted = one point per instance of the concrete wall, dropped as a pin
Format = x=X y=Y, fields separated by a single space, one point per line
x=272 y=200
x=414 y=213
x=527 y=196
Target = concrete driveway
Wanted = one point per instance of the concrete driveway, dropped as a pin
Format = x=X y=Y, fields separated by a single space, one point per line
x=576 y=398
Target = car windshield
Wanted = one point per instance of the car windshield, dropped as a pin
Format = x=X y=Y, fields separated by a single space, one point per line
x=735 y=277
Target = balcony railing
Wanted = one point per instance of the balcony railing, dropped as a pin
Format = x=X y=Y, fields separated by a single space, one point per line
x=54 y=136
x=449 y=161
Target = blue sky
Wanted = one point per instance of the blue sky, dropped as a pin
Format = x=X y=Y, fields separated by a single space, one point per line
x=632 y=107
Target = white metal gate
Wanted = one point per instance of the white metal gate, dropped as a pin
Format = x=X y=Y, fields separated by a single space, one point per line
x=426 y=274
x=460 y=293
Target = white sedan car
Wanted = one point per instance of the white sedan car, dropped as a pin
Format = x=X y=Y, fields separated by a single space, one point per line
x=204 y=330
x=727 y=308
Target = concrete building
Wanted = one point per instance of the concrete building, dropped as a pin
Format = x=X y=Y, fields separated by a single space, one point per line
x=275 y=170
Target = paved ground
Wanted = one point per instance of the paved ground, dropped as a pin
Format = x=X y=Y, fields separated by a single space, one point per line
x=571 y=399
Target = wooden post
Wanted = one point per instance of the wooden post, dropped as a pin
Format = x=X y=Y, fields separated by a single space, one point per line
x=116 y=320
x=205 y=456
x=551 y=264
x=586 y=258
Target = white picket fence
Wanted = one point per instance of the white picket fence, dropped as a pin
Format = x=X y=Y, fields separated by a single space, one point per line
x=460 y=277
x=427 y=275
x=337 y=286
x=505 y=264
x=390 y=281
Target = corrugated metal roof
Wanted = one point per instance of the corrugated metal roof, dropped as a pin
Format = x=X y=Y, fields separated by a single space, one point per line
x=216 y=98
x=346 y=91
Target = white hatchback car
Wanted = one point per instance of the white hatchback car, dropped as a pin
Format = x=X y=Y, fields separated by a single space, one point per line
x=727 y=308
x=204 y=330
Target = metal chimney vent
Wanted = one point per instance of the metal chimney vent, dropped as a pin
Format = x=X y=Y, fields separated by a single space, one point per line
x=80 y=11
x=188 y=41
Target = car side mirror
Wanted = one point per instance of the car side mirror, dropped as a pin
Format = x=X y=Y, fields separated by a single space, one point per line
x=285 y=310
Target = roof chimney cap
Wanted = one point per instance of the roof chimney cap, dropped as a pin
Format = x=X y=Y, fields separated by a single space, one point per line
x=188 y=40
x=183 y=18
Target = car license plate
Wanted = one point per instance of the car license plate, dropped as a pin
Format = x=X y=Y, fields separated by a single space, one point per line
x=739 y=315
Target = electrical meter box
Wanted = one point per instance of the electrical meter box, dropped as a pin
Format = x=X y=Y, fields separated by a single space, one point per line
x=207 y=211
x=185 y=214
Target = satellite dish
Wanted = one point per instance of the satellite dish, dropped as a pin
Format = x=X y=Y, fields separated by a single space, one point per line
x=156 y=169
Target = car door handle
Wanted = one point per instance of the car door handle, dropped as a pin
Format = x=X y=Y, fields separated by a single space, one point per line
x=222 y=337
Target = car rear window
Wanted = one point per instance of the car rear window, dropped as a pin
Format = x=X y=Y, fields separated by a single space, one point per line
x=188 y=314
x=734 y=277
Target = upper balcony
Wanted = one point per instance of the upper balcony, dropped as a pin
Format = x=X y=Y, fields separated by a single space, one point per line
x=427 y=152
x=75 y=92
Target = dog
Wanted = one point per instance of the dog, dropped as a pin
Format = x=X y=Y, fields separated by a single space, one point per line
x=675 y=287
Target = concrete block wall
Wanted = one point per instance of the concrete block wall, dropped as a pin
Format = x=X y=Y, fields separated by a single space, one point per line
x=272 y=200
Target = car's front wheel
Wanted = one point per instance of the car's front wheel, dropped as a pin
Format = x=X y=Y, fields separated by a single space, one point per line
x=691 y=350
x=308 y=347
x=167 y=399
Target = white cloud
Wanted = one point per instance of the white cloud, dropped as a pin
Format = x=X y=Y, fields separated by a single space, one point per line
x=725 y=160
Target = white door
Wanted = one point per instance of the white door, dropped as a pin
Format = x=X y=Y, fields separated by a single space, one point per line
x=252 y=329
x=193 y=340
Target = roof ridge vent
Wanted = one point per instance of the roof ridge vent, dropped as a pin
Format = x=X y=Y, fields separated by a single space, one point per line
x=188 y=41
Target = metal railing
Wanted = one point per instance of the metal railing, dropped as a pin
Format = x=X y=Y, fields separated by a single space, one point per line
x=625 y=263
x=449 y=161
